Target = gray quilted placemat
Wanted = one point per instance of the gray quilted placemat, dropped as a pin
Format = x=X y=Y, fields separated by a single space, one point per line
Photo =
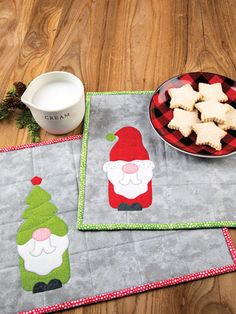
x=99 y=262
x=183 y=191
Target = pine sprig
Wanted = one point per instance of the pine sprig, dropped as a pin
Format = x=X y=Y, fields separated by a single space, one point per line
x=5 y=111
x=5 y=106
x=11 y=102
x=26 y=120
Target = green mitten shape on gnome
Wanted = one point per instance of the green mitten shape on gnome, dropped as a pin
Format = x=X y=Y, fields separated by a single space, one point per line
x=42 y=243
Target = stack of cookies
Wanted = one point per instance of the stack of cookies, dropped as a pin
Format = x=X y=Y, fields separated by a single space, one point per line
x=204 y=112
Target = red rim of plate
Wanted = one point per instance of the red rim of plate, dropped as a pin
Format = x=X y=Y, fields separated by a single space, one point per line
x=160 y=114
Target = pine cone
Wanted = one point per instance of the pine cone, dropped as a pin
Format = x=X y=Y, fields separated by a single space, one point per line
x=14 y=102
x=20 y=88
x=17 y=103
x=8 y=101
x=21 y=105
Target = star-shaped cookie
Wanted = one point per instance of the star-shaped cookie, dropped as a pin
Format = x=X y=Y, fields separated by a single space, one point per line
x=230 y=122
x=212 y=91
x=183 y=97
x=212 y=110
x=209 y=134
x=183 y=121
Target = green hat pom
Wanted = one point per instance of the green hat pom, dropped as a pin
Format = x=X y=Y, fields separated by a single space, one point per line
x=110 y=137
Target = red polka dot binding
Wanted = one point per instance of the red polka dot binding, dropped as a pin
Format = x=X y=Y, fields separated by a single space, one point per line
x=49 y=142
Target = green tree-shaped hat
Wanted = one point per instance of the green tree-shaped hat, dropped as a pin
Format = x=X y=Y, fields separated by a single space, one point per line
x=40 y=213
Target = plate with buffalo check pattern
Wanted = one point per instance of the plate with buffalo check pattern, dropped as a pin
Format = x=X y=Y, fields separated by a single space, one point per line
x=161 y=114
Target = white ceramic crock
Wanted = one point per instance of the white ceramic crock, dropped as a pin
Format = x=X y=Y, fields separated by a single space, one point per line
x=53 y=120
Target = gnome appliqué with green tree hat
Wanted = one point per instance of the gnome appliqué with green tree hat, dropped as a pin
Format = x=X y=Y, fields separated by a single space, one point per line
x=42 y=243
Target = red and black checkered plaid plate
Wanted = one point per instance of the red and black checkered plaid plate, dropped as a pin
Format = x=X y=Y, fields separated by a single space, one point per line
x=161 y=114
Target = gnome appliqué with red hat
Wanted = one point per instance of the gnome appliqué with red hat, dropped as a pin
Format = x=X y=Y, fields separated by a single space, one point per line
x=129 y=171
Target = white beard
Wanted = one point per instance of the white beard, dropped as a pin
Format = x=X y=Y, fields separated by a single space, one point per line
x=41 y=257
x=129 y=185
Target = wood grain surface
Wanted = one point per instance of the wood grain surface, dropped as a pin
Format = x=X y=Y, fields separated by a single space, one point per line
x=123 y=45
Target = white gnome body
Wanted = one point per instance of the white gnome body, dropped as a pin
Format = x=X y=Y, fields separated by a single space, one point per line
x=43 y=252
x=130 y=179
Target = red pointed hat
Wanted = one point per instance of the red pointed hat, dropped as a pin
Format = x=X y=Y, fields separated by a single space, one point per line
x=129 y=146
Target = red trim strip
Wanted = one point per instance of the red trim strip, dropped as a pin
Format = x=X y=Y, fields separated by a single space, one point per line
x=48 y=142
x=230 y=244
x=145 y=287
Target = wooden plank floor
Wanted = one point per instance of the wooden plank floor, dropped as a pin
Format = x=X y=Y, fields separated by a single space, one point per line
x=123 y=45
